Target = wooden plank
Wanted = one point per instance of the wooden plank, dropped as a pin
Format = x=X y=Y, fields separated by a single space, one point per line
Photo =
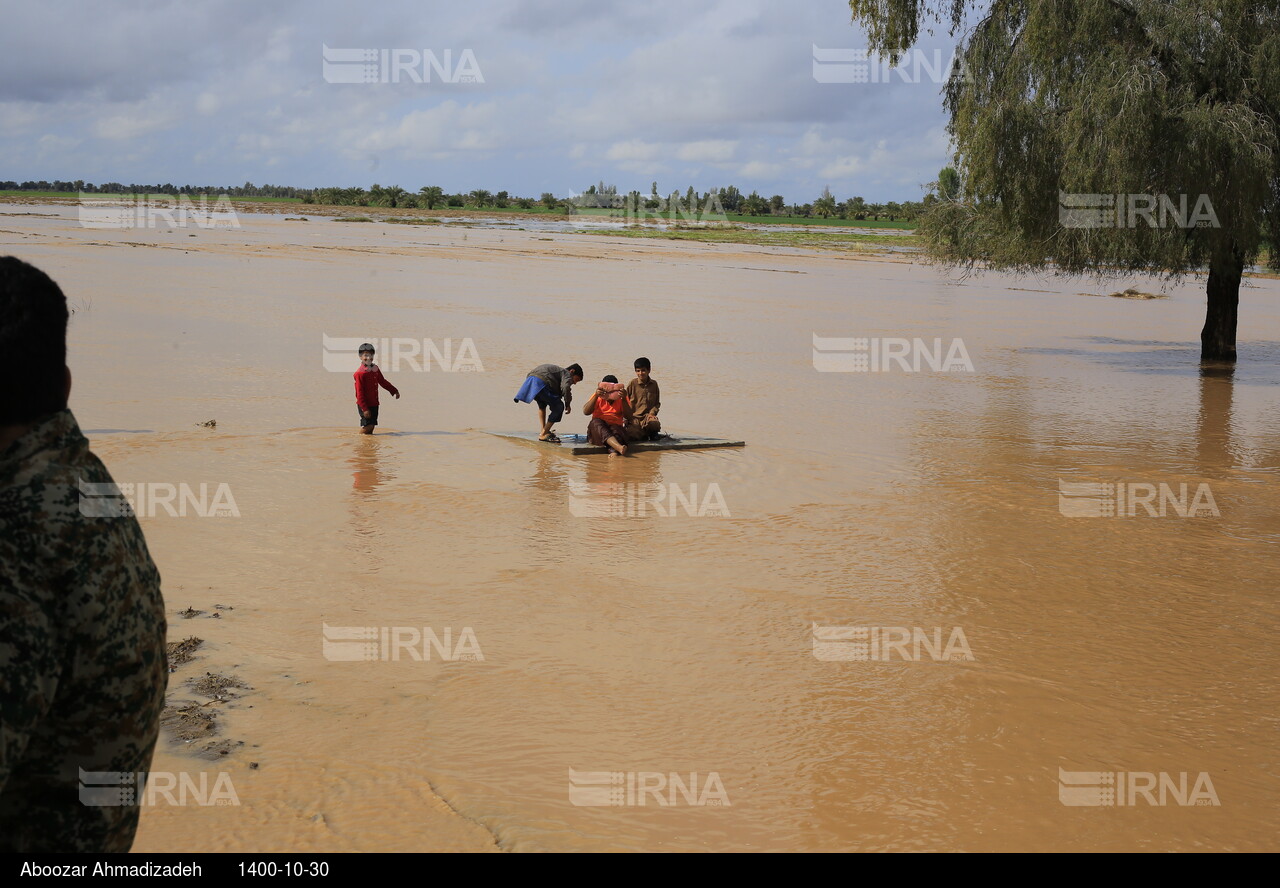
x=578 y=444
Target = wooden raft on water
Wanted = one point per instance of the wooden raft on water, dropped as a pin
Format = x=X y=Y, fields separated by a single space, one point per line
x=578 y=444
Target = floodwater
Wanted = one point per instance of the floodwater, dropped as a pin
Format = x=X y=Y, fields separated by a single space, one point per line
x=659 y=643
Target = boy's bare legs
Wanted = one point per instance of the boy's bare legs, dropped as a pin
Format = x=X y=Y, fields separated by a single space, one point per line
x=618 y=448
x=544 y=427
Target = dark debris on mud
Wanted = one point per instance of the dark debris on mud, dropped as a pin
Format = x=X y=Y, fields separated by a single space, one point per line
x=197 y=722
x=217 y=687
x=178 y=653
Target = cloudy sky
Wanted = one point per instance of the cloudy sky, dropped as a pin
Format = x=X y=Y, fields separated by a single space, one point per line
x=684 y=92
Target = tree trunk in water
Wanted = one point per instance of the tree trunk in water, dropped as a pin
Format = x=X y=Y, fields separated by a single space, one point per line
x=1218 y=338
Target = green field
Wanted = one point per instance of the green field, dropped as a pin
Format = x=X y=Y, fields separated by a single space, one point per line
x=440 y=209
x=812 y=220
x=822 y=240
x=532 y=211
x=773 y=220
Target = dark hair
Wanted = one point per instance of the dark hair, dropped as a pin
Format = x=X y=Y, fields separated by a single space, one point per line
x=33 y=328
x=610 y=378
x=642 y=364
x=365 y=347
x=576 y=368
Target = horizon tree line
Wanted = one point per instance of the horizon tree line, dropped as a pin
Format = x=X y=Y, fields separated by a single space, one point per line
x=729 y=199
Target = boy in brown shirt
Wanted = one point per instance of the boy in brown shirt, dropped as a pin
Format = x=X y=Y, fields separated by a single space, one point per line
x=645 y=399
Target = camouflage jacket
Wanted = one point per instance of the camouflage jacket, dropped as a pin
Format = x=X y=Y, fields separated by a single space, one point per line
x=82 y=650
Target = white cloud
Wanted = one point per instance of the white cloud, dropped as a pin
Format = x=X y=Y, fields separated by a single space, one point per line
x=49 y=143
x=639 y=157
x=843 y=168
x=207 y=103
x=132 y=125
x=447 y=127
x=23 y=117
x=633 y=150
x=813 y=142
x=759 y=169
x=708 y=151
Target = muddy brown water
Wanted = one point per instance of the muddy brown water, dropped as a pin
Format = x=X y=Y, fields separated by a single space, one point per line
x=651 y=646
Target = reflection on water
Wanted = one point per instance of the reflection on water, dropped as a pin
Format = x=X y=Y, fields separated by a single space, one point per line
x=1075 y=621
x=1217 y=384
x=546 y=532
x=368 y=517
x=1259 y=360
x=590 y=501
x=367 y=474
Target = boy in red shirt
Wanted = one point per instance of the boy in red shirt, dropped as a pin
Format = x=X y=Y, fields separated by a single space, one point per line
x=368 y=378
x=609 y=410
